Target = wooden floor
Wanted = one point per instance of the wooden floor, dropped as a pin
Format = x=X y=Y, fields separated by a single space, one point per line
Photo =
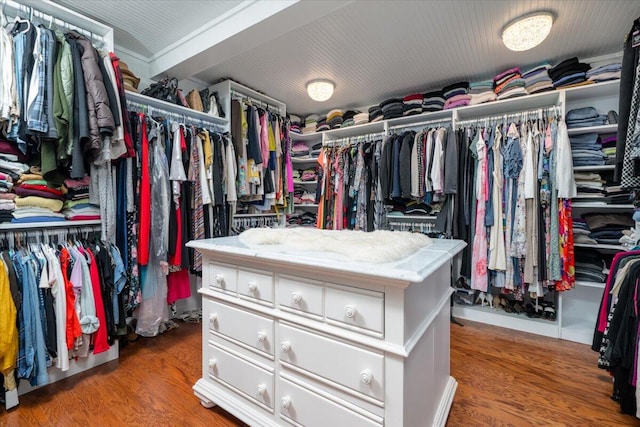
x=505 y=378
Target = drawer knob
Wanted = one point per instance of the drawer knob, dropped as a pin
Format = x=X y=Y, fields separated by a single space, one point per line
x=366 y=377
x=262 y=336
x=296 y=298
x=350 y=311
x=285 y=346
x=262 y=389
x=285 y=402
x=212 y=364
x=213 y=318
x=220 y=279
x=253 y=286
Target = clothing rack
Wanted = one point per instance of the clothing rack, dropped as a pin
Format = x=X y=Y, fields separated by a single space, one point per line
x=46 y=235
x=538 y=113
x=355 y=139
x=29 y=12
x=244 y=222
x=243 y=97
x=417 y=226
x=183 y=117
x=421 y=125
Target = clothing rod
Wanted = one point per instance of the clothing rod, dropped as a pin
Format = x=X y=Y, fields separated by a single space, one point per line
x=47 y=18
x=421 y=124
x=551 y=109
x=242 y=96
x=355 y=139
x=152 y=110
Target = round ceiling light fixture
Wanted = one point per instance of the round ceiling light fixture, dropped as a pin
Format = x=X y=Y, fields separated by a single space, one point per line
x=527 y=31
x=320 y=90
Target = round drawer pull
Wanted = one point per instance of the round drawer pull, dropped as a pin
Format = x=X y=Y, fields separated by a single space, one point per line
x=213 y=318
x=285 y=346
x=285 y=402
x=366 y=377
x=296 y=298
x=350 y=311
x=262 y=336
x=253 y=286
x=212 y=364
x=262 y=390
x=220 y=279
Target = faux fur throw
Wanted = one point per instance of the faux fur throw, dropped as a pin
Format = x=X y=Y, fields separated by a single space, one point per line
x=376 y=246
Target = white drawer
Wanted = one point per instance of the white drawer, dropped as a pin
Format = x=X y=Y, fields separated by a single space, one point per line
x=221 y=277
x=300 y=406
x=300 y=295
x=255 y=285
x=254 y=382
x=240 y=325
x=353 y=367
x=355 y=308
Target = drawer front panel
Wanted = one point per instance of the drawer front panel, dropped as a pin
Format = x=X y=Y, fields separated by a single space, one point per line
x=221 y=277
x=255 y=382
x=248 y=328
x=254 y=285
x=304 y=407
x=300 y=295
x=357 y=309
x=353 y=367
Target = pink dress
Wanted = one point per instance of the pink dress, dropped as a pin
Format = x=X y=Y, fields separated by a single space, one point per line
x=479 y=278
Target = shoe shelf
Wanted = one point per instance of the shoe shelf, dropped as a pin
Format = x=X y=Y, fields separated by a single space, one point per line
x=587 y=284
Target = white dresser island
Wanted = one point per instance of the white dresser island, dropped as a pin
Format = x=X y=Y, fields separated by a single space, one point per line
x=309 y=339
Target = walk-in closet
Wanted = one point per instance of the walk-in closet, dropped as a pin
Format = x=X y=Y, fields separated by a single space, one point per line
x=313 y=213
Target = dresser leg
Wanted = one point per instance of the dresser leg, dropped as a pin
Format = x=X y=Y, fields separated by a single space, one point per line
x=207 y=403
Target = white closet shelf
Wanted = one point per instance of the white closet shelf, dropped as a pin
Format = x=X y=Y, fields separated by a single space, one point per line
x=593 y=129
x=255 y=215
x=588 y=92
x=355 y=130
x=56 y=224
x=307 y=205
x=509 y=106
x=415 y=120
x=594 y=168
x=587 y=284
x=174 y=108
x=411 y=217
x=297 y=181
x=303 y=159
x=600 y=205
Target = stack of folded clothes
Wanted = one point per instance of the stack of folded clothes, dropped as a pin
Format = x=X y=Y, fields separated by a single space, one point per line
x=310 y=124
x=334 y=118
x=38 y=200
x=590 y=187
x=296 y=123
x=581 y=232
x=590 y=267
x=348 y=118
x=607 y=229
x=300 y=218
x=315 y=150
x=7 y=206
x=412 y=104
x=299 y=149
x=608 y=143
x=80 y=210
x=432 y=101
x=537 y=79
x=456 y=95
x=361 y=118
x=586 y=150
x=481 y=92
x=603 y=71
x=509 y=84
x=568 y=73
x=322 y=124
x=375 y=114
x=584 y=117
x=391 y=108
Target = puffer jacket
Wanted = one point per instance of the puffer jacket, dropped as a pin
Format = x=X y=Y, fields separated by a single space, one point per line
x=101 y=122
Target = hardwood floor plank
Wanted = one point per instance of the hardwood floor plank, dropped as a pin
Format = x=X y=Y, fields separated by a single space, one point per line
x=505 y=378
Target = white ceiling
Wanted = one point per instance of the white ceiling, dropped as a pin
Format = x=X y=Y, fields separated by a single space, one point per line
x=371 y=49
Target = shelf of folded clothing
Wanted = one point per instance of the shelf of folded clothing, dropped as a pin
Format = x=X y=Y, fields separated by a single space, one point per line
x=603 y=129
x=47 y=224
x=601 y=205
x=588 y=284
x=600 y=246
x=508 y=106
x=303 y=159
x=594 y=168
x=355 y=130
x=179 y=110
x=304 y=137
x=297 y=181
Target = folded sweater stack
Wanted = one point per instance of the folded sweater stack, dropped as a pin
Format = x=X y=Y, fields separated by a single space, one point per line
x=433 y=101
x=310 y=124
x=296 y=123
x=603 y=71
x=569 y=72
x=509 y=84
x=334 y=118
x=375 y=114
x=392 y=108
x=481 y=92
x=412 y=104
x=537 y=79
x=456 y=95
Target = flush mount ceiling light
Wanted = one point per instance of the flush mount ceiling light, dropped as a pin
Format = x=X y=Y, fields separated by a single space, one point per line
x=320 y=90
x=527 y=32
